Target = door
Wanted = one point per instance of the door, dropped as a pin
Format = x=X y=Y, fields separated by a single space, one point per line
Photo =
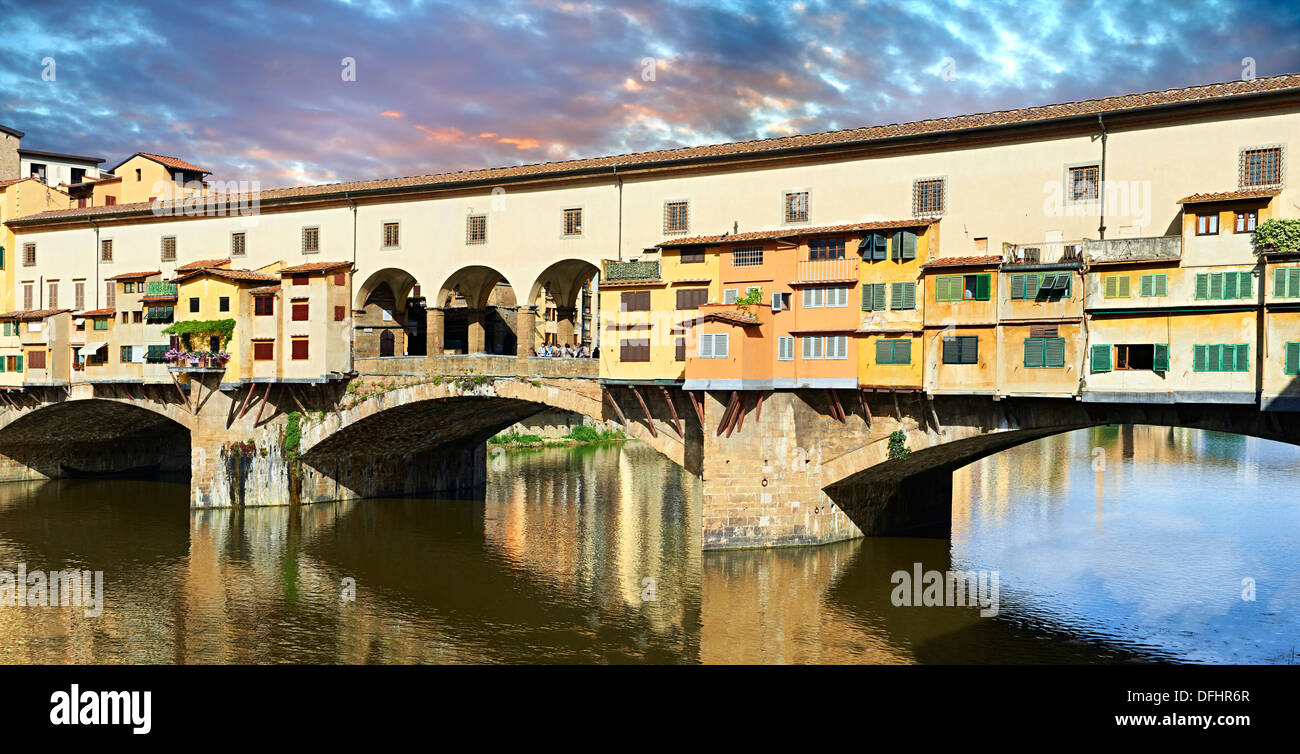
x=386 y=343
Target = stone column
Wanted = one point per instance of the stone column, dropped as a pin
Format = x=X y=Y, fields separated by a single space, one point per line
x=476 y=331
x=435 y=332
x=525 y=327
x=564 y=318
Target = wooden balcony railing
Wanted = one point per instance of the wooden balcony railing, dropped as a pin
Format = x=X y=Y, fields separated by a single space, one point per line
x=827 y=271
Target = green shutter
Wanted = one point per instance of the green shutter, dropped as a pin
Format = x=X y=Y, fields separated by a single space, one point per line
x=1293 y=283
x=1147 y=286
x=1292 y=358
x=1018 y=286
x=1245 y=284
x=896 y=295
x=1161 y=360
x=866 y=298
x=904 y=345
x=2 y=364
x=1100 y=358
x=20 y=363
x=1230 y=285
x=1054 y=352
x=1200 y=358
x=1202 y=286
x=1243 y=357
x=1033 y=352
x=1123 y=286
x=1112 y=286
x=1279 y=283
x=1162 y=285
x=884 y=352
x=1216 y=286
x=982 y=287
x=908 y=239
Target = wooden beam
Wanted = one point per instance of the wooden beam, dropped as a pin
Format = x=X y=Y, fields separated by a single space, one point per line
x=839 y=407
x=668 y=398
x=758 y=410
x=898 y=412
x=699 y=409
x=934 y=415
x=184 y=398
x=265 y=399
x=740 y=416
x=866 y=410
x=293 y=393
x=252 y=388
x=834 y=405
x=649 y=420
x=726 y=415
x=617 y=411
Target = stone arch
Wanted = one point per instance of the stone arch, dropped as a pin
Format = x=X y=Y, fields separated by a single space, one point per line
x=478 y=308
x=386 y=305
x=554 y=300
x=99 y=435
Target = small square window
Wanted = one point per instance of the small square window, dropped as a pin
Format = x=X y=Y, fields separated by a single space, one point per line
x=106 y=250
x=223 y=304
x=237 y=245
x=300 y=350
x=194 y=305
x=1207 y=224
x=1261 y=167
x=676 y=217
x=310 y=240
x=1083 y=184
x=928 y=197
x=573 y=222
x=476 y=229
x=392 y=236
x=796 y=206
x=168 y=253
x=300 y=311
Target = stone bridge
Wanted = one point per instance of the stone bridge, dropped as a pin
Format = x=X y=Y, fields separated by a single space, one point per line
x=783 y=468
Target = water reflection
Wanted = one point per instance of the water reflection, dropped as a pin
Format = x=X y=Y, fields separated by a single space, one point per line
x=1112 y=545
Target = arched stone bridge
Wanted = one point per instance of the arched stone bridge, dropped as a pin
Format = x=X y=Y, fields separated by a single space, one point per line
x=785 y=468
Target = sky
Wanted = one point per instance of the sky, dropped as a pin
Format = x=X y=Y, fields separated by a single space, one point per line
x=292 y=93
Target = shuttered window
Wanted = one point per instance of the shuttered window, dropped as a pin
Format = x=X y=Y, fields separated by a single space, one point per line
x=1292 y=365
x=1153 y=286
x=963 y=287
x=299 y=312
x=692 y=298
x=904 y=246
x=679 y=349
x=1233 y=357
x=1044 y=353
x=263 y=351
x=635 y=301
x=712 y=346
x=1117 y=286
x=263 y=306
x=1101 y=358
x=1286 y=282
x=1216 y=286
x=894 y=351
x=961 y=349
x=816 y=347
x=340 y=313
x=902 y=295
x=873 y=247
x=873 y=297
x=299 y=349
x=785 y=348
x=36 y=360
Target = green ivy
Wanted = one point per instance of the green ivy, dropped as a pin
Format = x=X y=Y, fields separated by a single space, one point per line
x=224 y=328
x=898 y=445
x=1278 y=234
x=292 y=435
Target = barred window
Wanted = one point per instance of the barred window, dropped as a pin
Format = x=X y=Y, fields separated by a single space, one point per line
x=168 y=249
x=29 y=255
x=796 y=206
x=237 y=247
x=749 y=256
x=106 y=250
x=1261 y=167
x=311 y=240
x=676 y=219
x=1083 y=183
x=573 y=222
x=928 y=197
x=476 y=229
x=391 y=236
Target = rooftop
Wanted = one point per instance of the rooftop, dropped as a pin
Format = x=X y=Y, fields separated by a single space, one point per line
x=963 y=261
x=794 y=232
x=175 y=163
x=1229 y=196
x=240 y=276
x=314 y=267
x=134 y=275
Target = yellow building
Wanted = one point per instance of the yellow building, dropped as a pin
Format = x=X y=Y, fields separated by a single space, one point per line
x=1041 y=340
x=891 y=351
x=20 y=197
x=144 y=176
x=961 y=315
x=214 y=307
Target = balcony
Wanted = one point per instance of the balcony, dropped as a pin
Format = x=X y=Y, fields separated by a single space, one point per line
x=1149 y=249
x=161 y=289
x=827 y=271
x=623 y=272
x=1043 y=253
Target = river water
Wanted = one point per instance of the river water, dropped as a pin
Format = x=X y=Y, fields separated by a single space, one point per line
x=1115 y=544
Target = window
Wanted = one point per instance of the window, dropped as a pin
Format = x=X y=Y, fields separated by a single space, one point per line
x=635 y=301
x=1286 y=282
x=54 y=294
x=817 y=347
x=340 y=313
x=300 y=349
x=730 y=295
x=106 y=250
x=796 y=206
x=36 y=360
x=928 y=197
x=137 y=316
x=1292 y=365
x=873 y=247
x=1207 y=224
x=476 y=229
x=79 y=294
x=109 y=201
x=263 y=306
x=311 y=240
x=904 y=246
x=1216 y=286
x=692 y=298
x=29 y=255
x=816 y=297
x=299 y=311
x=128 y=287
x=110 y=294
x=238 y=244
x=695 y=256
x=902 y=295
x=300 y=280
x=223 y=304
x=785 y=348
x=263 y=351
x=1153 y=286
x=894 y=351
x=1261 y=167
x=126 y=354
x=1083 y=183
x=825 y=248
x=1044 y=353
x=749 y=256
x=1040 y=285
x=27 y=295
x=1245 y=221
x=341 y=278
x=194 y=305
x=1221 y=358
x=837 y=297
x=1116 y=286
x=962 y=287
x=391 y=236
x=873 y=297
x=168 y=253
x=573 y=221
x=1140 y=357
x=961 y=349
x=676 y=217
x=780 y=301
x=636 y=350
x=101 y=323
x=714 y=346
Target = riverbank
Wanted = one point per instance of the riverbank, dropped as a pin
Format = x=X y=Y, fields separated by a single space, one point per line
x=580 y=435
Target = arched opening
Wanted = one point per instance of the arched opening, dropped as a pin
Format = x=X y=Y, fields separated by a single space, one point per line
x=93 y=437
x=390 y=316
x=563 y=304
x=478 y=312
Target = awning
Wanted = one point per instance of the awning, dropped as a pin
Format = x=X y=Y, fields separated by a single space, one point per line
x=92 y=347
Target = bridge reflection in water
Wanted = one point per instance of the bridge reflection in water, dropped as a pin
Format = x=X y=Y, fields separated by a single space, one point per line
x=1103 y=555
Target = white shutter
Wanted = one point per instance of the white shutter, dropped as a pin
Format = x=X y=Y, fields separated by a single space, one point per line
x=807 y=298
x=837 y=297
x=838 y=347
x=818 y=347
x=776 y=302
x=720 y=346
x=729 y=296
x=807 y=346
x=706 y=346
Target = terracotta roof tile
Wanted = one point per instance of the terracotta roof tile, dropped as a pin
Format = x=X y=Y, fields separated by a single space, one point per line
x=314 y=267
x=134 y=275
x=1283 y=83
x=29 y=314
x=164 y=160
x=201 y=263
x=263 y=290
x=1227 y=196
x=732 y=317
x=158 y=298
x=99 y=312
x=963 y=261
x=242 y=276
x=775 y=233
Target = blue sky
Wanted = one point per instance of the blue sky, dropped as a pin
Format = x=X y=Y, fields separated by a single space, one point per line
x=255 y=90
